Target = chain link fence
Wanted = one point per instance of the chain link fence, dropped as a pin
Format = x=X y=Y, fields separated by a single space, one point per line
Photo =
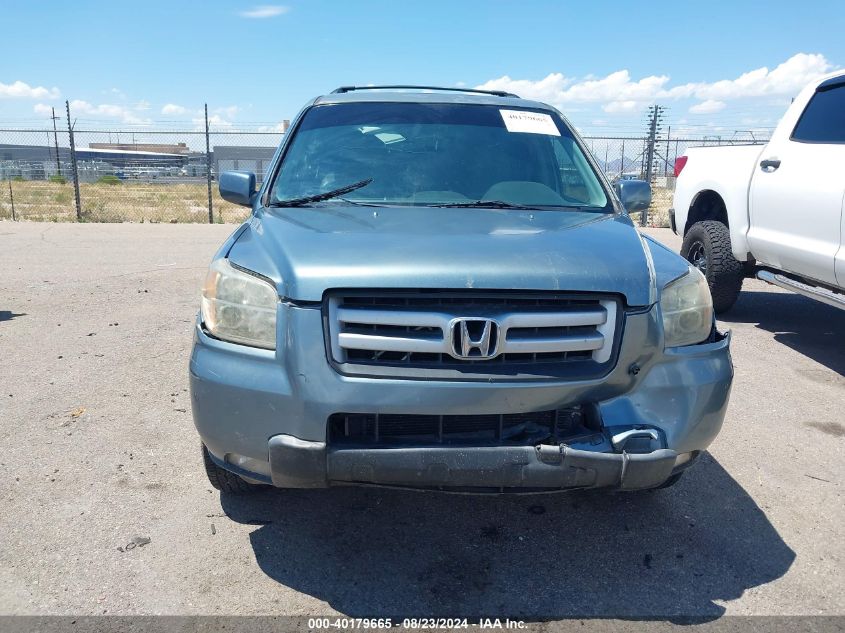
x=627 y=157
x=140 y=176
x=170 y=176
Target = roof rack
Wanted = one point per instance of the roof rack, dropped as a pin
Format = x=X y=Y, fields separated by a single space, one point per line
x=495 y=93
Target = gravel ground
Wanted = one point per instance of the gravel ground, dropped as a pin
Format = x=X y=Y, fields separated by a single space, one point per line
x=107 y=509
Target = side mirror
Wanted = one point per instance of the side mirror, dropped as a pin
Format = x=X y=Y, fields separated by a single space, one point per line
x=635 y=195
x=237 y=187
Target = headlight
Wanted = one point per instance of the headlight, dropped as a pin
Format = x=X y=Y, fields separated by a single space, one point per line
x=239 y=307
x=687 y=310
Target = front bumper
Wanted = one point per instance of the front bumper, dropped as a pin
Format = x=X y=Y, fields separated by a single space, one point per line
x=298 y=464
x=272 y=407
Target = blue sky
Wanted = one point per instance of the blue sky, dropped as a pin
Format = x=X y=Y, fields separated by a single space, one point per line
x=156 y=62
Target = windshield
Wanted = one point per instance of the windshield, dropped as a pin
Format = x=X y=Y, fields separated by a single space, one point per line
x=437 y=154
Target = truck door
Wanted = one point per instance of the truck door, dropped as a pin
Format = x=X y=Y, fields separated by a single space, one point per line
x=797 y=190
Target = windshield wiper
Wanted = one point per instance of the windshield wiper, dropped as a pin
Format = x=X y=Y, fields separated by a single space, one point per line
x=490 y=204
x=328 y=195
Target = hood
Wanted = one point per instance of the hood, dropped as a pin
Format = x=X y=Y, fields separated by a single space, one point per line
x=309 y=250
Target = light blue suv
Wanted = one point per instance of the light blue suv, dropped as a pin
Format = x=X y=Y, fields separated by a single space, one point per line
x=438 y=289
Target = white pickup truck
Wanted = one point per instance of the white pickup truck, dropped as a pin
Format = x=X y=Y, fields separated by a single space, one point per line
x=771 y=211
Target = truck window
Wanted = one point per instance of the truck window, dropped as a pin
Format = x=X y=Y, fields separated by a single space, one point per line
x=823 y=120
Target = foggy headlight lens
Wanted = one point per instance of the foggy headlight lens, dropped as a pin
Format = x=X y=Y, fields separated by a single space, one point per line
x=687 y=310
x=239 y=307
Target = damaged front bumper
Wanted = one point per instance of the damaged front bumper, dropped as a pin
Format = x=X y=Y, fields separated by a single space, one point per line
x=295 y=463
x=264 y=416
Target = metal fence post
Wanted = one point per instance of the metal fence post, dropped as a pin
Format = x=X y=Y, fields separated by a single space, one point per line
x=208 y=169
x=622 y=161
x=56 y=142
x=73 y=165
x=12 y=200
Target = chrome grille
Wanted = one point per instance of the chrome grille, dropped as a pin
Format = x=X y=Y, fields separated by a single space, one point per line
x=425 y=332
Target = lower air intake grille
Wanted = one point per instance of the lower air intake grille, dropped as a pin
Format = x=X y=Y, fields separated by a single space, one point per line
x=371 y=429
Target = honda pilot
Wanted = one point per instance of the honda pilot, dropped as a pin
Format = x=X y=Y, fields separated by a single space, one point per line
x=438 y=289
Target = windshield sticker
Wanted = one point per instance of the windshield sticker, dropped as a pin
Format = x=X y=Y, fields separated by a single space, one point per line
x=529 y=122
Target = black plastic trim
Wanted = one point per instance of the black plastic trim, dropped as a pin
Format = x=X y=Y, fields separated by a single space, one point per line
x=495 y=93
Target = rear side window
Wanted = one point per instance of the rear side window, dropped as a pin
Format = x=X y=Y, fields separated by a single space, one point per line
x=823 y=120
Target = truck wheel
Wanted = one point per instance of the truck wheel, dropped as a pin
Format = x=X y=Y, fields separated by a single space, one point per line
x=226 y=481
x=707 y=246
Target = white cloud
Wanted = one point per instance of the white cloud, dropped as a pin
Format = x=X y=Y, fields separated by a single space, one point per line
x=618 y=92
x=173 y=109
x=78 y=106
x=548 y=89
x=623 y=106
x=21 y=90
x=214 y=120
x=265 y=11
x=279 y=127
x=82 y=108
x=786 y=79
x=708 y=107
x=142 y=105
x=218 y=116
x=219 y=121
x=42 y=109
x=229 y=111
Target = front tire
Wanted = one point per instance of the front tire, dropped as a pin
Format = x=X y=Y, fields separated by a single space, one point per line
x=226 y=481
x=707 y=246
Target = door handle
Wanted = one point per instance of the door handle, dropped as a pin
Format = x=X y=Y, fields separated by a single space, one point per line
x=770 y=164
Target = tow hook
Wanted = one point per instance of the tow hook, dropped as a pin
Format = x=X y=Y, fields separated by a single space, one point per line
x=618 y=440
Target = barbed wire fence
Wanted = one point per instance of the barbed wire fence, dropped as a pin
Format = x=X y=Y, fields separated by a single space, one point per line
x=158 y=175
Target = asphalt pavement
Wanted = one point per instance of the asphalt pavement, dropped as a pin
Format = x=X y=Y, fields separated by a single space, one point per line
x=106 y=508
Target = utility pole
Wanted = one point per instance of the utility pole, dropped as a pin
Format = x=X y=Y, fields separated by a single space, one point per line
x=56 y=142
x=208 y=169
x=655 y=115
x=73 y=164
x=12 y=199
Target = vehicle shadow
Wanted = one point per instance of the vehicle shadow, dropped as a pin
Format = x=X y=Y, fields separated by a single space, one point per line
x=811 y=328
x=378 y=552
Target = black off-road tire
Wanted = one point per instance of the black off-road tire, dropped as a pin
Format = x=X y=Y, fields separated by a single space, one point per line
x=707 y=245
x=226 y=481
